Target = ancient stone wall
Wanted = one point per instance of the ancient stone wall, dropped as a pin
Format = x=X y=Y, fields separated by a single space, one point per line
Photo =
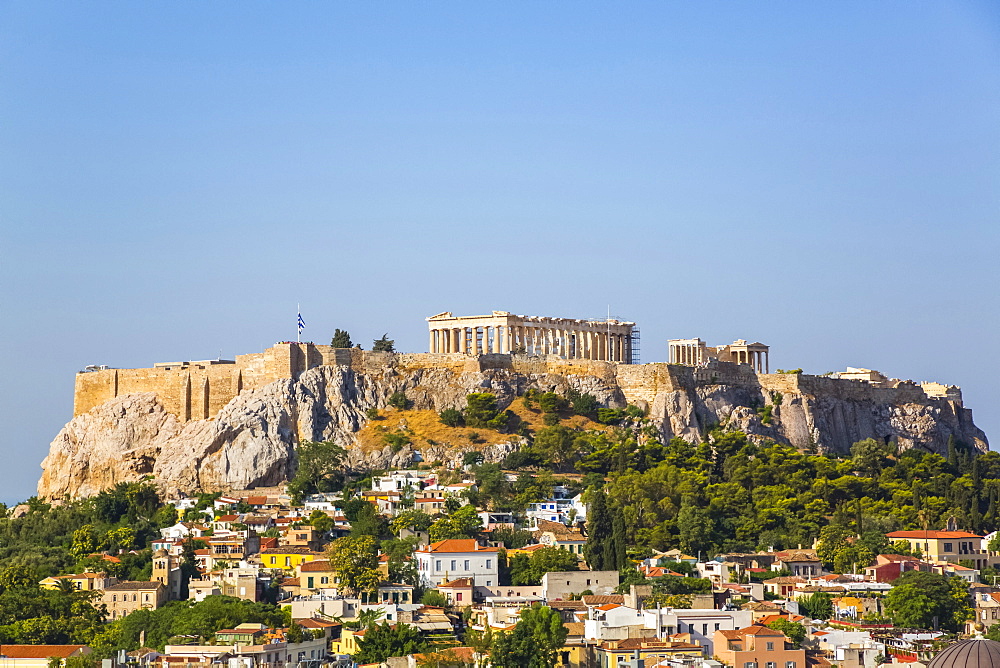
x=194 y=391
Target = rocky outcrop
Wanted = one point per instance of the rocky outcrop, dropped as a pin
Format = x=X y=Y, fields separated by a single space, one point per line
x=251 y=441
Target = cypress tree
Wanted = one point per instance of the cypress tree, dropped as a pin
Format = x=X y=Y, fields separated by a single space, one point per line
x=952 y=453
x=599 y=528
x=617 y=545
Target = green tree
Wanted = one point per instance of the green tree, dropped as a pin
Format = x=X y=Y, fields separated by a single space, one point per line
x=598 y=551
x=534 y=643
x=355 y=560
x=434 y=598
x=463 y=523
x=318 y=468
x=341 y=339
x=384 y=345
x=383 y=641
x=415 y=520
x=817 y=606
x=452 y=417
x=480 y=409
x=795 y=632
x=399 y=401
x=694 y=524
x=555 y=444
x=919 y=598
x=543 y=560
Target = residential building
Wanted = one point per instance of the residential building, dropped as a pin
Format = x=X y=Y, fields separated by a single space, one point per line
x=803 y=563
x=80 y=581
x=451 y=559
x=757 y=646
x=557 y=585
x=39 y=656
x=618 y=653
x=287 y=558
x=126 y=597
x=557 y=534
x=953 y=546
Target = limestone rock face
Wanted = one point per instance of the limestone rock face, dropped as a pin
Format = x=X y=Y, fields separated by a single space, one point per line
x=251 y=441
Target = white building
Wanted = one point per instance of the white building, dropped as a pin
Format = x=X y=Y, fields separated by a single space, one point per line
x=455 y=558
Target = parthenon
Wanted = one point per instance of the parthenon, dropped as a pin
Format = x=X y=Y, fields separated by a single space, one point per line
x=694 y=352
x=504 y=332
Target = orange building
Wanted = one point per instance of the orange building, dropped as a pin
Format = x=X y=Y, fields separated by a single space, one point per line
x=757 y=646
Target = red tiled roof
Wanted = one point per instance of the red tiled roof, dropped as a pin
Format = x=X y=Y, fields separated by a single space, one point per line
x=38 y=651
x=932 y=534
x=460 y=582
x=457 y=545
x=317 y=566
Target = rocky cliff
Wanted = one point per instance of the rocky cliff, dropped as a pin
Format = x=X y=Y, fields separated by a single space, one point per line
x=250 y=441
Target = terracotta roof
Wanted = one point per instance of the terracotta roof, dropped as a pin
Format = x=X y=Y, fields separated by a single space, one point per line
x=560 y=530
x=608 y=606
x=289 y=582
x=567 y=605
x=316 y=566
x=257 y=500
x=457 y=545
x=759 y=630
x=38 y=651
x=785 y=580
x=290 y=550
x=932 y=534
x=595 y=599
x=460 y=582
x=313 y=623
x=133 y=586
x=896 y=557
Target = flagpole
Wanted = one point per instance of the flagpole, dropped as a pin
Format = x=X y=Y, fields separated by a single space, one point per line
x=298 y=328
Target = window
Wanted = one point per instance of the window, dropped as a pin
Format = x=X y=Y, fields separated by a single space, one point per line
x=789 y=664
x=489 y=563
x=771 y=664
x=716 y=626
x=458 y=596
x=588 y=581
x=466 y=564
x=770 y=648
x=453 y=564
x=750 y=664
x=438 y=565
x=114 y=598
x=324 y=580
x=704 y=629
x=947 y=547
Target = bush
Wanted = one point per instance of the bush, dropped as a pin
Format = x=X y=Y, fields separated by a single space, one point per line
x=609 y=415
x=452 y=417
x=399 y=400
x=583 y=404
x=550 y=419
x=373 y=414
x=550 y=402
x=396 y=440
x=481 y=407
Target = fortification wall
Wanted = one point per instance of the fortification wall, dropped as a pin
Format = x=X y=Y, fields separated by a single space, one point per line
x=197 y=391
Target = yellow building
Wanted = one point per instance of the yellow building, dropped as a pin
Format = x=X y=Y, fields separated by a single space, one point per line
x=953 y=546
x=81 y=581
x=287 y=558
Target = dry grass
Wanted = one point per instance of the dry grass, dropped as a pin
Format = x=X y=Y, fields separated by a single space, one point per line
x=424 y=428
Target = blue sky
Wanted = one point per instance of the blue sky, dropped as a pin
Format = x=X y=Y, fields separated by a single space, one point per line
x=175 y=177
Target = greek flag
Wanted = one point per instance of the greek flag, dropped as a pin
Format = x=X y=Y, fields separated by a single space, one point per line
x=302 y=323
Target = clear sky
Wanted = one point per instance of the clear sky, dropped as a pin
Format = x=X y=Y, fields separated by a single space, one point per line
x=176 y=176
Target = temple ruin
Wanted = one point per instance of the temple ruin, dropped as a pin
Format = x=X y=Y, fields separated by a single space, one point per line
x=695 y=352
x=503 y=332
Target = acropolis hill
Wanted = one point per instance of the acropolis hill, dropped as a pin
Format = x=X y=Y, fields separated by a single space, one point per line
x=219 y=425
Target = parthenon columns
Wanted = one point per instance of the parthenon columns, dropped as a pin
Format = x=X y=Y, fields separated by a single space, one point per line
x=504 y=332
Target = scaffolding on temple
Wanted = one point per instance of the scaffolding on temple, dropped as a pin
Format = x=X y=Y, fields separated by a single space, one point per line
x=634 y=345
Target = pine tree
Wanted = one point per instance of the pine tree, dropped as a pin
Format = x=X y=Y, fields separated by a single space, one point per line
x=598 y=530
x=341 y=339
